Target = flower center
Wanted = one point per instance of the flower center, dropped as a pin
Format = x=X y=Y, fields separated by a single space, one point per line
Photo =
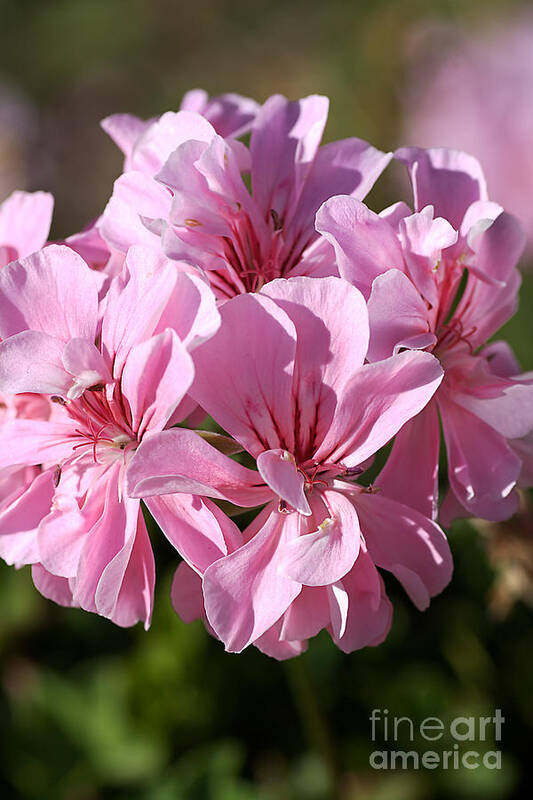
x=103 y=424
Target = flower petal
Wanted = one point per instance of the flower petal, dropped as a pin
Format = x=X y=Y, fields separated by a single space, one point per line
x=449 y=180
x=397 y=314
x=331 y=322
x=52 y=291
x=25 y=219
x=326 y=555
x=32 y=361
x=377 y=401
x=410 y=480
x=245 y=594
x=404 y=542
x=278 y=469
x=365 y=244
x=244 y=373
x=482 y=467
x=179 y=460
x=156 y=376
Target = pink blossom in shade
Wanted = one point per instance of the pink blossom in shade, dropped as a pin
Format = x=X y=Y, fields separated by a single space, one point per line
x=25 y=219
x=502 y=362
x=473 y=92
x=14 y=480
x=412 y=268
x=203 y=213
x=113 y=377
x=89 y=244
x=285 y=376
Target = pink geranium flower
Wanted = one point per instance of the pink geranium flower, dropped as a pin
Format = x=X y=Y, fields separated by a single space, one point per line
x=202 y=211
x=114 y=375
x=25 y=219
x=412 y=268
x=285 y=376
x=473 y=92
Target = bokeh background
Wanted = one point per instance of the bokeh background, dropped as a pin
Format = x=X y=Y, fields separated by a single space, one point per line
x=89 y=711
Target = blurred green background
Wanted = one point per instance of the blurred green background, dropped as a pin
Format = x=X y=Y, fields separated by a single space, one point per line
x=90 y=711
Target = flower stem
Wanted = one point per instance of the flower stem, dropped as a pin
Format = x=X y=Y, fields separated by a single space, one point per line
x=313 y=720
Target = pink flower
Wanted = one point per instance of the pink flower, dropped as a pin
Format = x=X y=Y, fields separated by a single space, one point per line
x=25 y=220
x=203 y=212
x=423 y=303
x=114 y=376
x=285 y=376
x=476 y=96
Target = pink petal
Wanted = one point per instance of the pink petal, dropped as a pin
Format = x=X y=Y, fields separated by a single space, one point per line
x=331 y=322
x=163 y=136
x=244 y=373
x=34 y=441
x=61 y=537
x=32 y=361
x=86 y=364
x=326 y=555
x=350 y=167
x=482 y=468
x=271 y=644
x=244 y=592
x=136 y=301
x=20 y=520
x=509 y=413
x=449 y=180
x=278 y=469
x=196 y=527
x=179 y=460
x=378 y=400
x=25 y=219
x=361 y=613
x=230 y=114
x=156 y=376
x=285 y=138
x=484 y=308
x=52 y=587
x=132 y=573
x=52 y=291
x=186 y=594
x=404 y=542
x=121 y=227
x=111 y=535
x=124 y=130
x=398 y=316
x=191 y=311
x=365 y=244
x=498 y=248
x=307 y=615
x=410 y=480
x=501 y=359
x=423 y=239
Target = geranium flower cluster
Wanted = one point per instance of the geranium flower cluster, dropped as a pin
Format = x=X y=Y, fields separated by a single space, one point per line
x=250 y=284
